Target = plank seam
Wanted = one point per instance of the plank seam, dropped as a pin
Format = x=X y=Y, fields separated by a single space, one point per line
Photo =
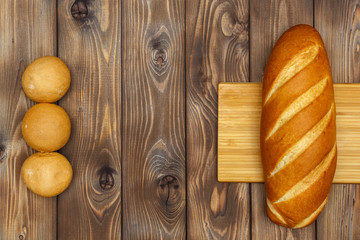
x=122 y=117
x=250 y=80
x=185 y=122
x=57 y=54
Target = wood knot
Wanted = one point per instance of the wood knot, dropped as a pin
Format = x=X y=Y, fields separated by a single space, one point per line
x=169 y=181
x=159 y=47
x=169 y=189
x=21 y=237
x=106 y=179
x=3 y=154
x=231 y=26
x=218 y=200
x=79 y=10
x=159 y=59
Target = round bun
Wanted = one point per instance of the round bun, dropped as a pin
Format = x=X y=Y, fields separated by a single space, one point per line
x=47 y=174
x=47 y=79
x=46 y=127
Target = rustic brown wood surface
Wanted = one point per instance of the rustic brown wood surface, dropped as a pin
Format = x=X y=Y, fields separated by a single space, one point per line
x=143 y=107
x=89 y=41
x=27 y=31
x=154 y=183
x=217 y=50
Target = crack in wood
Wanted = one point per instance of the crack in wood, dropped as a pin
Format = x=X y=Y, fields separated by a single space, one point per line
x=166 y=184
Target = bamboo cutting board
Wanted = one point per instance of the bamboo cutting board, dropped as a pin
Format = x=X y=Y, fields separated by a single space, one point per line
x=239 y=129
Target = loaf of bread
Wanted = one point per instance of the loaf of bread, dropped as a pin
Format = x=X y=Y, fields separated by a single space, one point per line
x=298 y=135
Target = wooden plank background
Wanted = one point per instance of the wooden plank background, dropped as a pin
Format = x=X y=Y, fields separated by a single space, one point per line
x=153 y=104
x=143 y=106
x=216 y=50
x=27 y=31
x=91 y=46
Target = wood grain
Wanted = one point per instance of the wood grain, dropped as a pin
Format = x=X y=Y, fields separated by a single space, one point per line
x=89 y=35
x=154 y=187
x=268 y=20
x=270 y=230
x=341 y=214
x=239 y=114
x=355 y=214
x=27 y=31
x=163 y=43
x=339 y=24
x=217 y=50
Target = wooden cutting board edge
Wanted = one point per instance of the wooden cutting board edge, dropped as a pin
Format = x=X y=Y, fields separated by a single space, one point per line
x=344 y=94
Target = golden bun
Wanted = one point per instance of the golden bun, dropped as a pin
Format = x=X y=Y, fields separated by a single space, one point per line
x=47 y=174
x=46 y=127
x=47 y=79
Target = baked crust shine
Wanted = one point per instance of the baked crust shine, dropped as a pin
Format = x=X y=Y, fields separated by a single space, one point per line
x=298 y=131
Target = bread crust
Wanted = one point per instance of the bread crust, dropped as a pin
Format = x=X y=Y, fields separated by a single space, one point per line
x=298 y=128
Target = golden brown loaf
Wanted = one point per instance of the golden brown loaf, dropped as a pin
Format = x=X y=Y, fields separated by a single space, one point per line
x=298 y=137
